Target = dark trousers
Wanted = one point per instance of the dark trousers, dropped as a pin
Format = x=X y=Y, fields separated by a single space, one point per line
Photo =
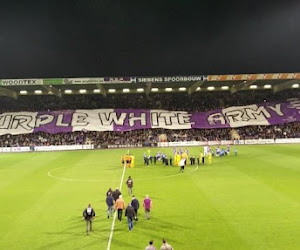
x=88 y=226
x=136 y=213
x=120 y=212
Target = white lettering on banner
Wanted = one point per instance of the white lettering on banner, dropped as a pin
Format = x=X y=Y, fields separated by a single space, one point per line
x=167 y=118
x=22 y=121
x=59 y=121
x=184 y=118
x=108 y=119
x=133 y=119
x=258 y=113
x=216 y=118
x=43 y=120
x=5 y=121
x=246 y=115
x=22 y=82
x=93 y=120
x=17 y=123
x=277 y=109
x=79 y=119
x=170 y=119
x=294 y=103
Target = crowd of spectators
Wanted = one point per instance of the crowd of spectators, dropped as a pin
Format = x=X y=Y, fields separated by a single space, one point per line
x=174 y=101
x=198 y=101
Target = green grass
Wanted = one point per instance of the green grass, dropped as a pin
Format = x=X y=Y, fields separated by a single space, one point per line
x=251 y=201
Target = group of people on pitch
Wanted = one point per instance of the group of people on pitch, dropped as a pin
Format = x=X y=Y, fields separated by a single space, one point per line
x=115 y=202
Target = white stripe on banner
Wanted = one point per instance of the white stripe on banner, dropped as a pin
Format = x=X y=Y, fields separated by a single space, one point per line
x=95 y=120
x=170 y=119
x=17 y=123
x=246 y=115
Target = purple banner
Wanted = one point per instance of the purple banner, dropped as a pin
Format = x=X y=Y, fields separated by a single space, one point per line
x=130 y=119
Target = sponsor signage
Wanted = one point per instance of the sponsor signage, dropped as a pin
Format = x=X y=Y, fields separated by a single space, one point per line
x=13 y=82
x=171 y=79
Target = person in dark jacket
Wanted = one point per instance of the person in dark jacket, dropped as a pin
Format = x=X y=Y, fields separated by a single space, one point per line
x=116 y=194
x=130 y=214
x=110 y=205
x=136 y=205
x=88 y=215
x=129 y=184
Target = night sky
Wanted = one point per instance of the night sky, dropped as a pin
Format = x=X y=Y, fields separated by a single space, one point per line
x=147 y=38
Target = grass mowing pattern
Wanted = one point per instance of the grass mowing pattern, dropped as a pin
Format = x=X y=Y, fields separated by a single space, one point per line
x=251 y=201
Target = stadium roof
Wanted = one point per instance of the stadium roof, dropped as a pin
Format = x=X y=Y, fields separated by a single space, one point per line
x=126 y=85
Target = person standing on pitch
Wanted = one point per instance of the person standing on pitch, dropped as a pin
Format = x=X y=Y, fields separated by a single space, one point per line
x=88 y=215
x=150 y=246
x=120 y=206
x=147 y=204
x=202 y=158
x=129 y=184
x=181 y=164
x=110 y=205
x=116 y=194
x=109 y=192
x=130 y=214
x=166 y=246
x=136 y=205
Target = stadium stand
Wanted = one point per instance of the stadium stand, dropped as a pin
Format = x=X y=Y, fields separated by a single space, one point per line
x=171 y=101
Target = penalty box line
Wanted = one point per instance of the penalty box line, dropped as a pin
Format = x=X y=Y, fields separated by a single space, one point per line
x=115 y=214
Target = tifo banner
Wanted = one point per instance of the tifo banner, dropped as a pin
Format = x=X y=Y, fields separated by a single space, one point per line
x=271 y=113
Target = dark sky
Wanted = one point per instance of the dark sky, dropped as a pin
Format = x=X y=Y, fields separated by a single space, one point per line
x=137 y=38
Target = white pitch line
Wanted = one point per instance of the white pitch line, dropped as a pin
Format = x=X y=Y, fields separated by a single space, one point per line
x=95 y=180
x=115 y=214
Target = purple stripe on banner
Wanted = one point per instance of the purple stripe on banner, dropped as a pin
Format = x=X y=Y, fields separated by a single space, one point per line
x=287 y=113
x=135 y=119
x=61 y=121
x=208 y=120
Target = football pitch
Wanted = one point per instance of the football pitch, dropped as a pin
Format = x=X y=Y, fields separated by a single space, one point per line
x=251 y=201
